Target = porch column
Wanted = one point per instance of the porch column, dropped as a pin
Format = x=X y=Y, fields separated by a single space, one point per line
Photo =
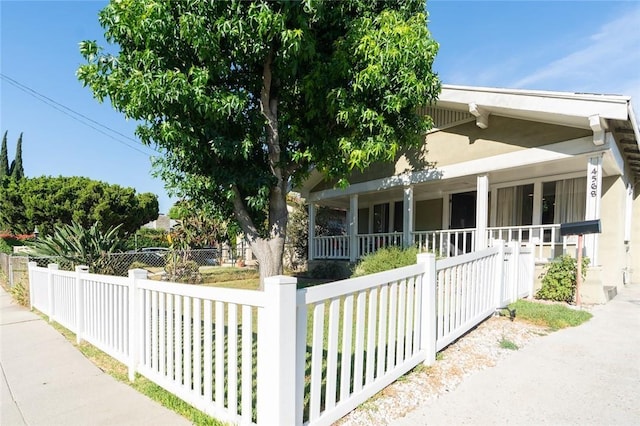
x=311 y=230
x=482 y=211
x=353 y=227
x=592 y=210
x=407 y=216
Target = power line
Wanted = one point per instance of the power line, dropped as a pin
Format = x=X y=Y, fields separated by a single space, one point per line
x=76 y=115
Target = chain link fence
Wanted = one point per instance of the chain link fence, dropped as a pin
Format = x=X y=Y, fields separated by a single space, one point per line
x=15 y=269
x=154 y=259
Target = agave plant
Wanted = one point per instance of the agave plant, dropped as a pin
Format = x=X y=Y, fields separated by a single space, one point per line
x=80 y=246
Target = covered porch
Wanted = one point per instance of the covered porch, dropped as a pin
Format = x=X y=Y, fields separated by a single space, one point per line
x=451 y=212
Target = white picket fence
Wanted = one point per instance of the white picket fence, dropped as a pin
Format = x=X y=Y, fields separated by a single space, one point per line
x=283 y=355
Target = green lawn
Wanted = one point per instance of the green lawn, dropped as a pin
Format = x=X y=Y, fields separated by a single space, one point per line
x=552 y=315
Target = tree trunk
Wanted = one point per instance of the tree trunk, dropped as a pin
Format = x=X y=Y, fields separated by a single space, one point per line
x=269 y=256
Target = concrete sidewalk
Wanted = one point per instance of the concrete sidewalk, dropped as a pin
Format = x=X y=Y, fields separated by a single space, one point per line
x=587 y=375
x=46 y=381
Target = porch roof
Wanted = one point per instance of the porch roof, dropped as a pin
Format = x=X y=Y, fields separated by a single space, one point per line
x=599 y=113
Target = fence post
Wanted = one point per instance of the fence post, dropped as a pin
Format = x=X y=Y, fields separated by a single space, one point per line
x=428 y=314
x=82 y=269
x=515 y=270
x=531 y=269
x=500 y=275
x=10 y=276
x=134 y=318
x=277 y=353
x=31 y=265
x=50 y=268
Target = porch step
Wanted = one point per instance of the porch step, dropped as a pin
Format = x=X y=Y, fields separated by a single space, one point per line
x=610 y=291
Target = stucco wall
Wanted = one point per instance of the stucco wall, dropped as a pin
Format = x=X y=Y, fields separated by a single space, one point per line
x=611 y=247
x=634 y=245
x=468 y=142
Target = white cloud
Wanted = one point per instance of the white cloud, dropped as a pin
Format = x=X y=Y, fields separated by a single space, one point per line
x=609 y=62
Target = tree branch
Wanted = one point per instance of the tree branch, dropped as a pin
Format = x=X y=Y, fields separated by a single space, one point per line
x=248 y=227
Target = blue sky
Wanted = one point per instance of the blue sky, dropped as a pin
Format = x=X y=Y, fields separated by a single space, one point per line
x=574 y=46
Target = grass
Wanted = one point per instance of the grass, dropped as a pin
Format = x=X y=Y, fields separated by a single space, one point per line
x=553 y=316
x=119 y=371
x=508 y=344
x=228 y=274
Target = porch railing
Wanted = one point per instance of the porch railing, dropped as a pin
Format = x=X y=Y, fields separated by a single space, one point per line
x=546 y=240
x=331 y=247
x=369 y=243
x=446 y=243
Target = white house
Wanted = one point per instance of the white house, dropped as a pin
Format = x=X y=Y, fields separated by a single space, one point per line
x=502 y=164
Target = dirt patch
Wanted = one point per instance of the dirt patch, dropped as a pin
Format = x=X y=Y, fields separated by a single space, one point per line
x=475 y=351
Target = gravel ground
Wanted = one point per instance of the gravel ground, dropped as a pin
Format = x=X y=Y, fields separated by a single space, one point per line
x=477 y=350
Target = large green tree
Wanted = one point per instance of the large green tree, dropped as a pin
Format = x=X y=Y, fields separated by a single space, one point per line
x=245 y=97
x=4 y=157
x=17 y=169
x=48 y=201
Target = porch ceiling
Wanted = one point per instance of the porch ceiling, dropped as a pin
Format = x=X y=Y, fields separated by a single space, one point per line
x=551 y=170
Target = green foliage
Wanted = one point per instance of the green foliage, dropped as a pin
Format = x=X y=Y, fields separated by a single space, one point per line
x=245 y=97
x=508 y=344
x=17 y=169
x=329 y=222
x=147 y=237
x=554 y=316
x=20 y=294
x=298 y=228
x=179 y=210
x=5 y=247
x=385 y=259
x=8 y=241
x=559 y=280
x=330 y=270
x=80 y=246
x=180 y=269
x=199 y=228
x=49 y=201
x=4 y=158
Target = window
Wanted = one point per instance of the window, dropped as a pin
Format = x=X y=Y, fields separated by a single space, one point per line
x=398 y=216
x=564 y=201
x=380 y=218
x=515 y=206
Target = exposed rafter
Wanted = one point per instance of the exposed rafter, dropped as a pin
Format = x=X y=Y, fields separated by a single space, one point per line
x=481 y=115
x=598 y=125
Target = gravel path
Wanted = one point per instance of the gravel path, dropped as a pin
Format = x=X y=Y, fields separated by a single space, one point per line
x=477 y=350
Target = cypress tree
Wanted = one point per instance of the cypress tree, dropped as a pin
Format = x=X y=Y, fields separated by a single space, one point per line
x=4 y=157
x=17 y=170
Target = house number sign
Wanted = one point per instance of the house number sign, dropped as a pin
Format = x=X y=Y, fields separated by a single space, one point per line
x=593 y=180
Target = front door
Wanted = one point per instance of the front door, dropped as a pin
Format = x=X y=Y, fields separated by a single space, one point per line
x=463 y=216
x=463 y=210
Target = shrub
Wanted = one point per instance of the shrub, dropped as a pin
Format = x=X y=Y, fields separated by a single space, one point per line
x=5 y=247
x=146 y=237
x=181 y=270
x=330 y=270
x=385 y=259
x=559 y=280
x=80 y=246
x=8 y=241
